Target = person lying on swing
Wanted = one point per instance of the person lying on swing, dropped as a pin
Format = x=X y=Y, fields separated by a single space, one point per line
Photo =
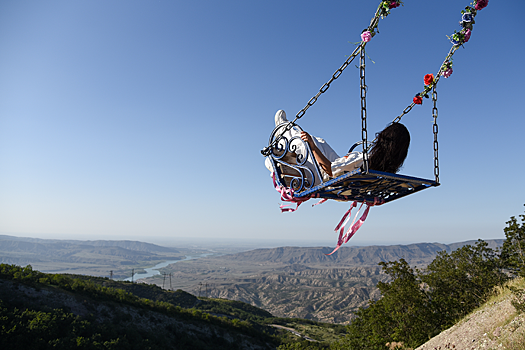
x=387 y=154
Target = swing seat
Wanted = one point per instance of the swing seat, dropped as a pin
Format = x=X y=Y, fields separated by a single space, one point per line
x=367 y=187
x=291 y=172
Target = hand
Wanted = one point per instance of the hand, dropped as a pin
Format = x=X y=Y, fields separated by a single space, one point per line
x=307 y=138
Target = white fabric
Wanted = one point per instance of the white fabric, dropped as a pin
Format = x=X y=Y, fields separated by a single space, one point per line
x=325 y=148
x=350 y=162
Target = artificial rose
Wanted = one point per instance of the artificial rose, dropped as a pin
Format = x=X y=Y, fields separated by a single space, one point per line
x=418 y=100
x=429 y=79
x=481 y=4
x=467 y=35
x=467 y=17
x=447 y=73
x=366 y=36
x=393 y=5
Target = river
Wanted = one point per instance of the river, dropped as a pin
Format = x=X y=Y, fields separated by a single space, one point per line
x=153 y=271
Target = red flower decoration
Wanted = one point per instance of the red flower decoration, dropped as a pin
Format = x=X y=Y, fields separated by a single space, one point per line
x=429 y=79
x=418 y=100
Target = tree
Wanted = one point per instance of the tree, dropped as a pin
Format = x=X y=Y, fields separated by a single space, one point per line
x=460 y=281
x=401 y=315
x=416 y=305
x=513 y=250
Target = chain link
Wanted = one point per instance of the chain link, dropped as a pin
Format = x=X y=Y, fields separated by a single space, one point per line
x=436 y=79
x=360 y=48
x=435 y=131
x=326 y=86
x=364 y=133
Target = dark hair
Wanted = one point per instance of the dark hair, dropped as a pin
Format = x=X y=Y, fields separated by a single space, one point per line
x=390 y=149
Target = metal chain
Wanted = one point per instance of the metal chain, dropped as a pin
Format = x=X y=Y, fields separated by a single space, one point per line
x=364 y=133
x=435 y=130
x=436 y=79
x=322 y=90
x=373 y=24
x=325 y=87
x=266 y=151
x=360 y=48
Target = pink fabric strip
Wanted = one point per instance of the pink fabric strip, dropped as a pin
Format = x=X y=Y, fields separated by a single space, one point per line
x=341 y=239
x=351 y=231
x=287 y=196
x=355 y=225
x=320 y=202
x=343 y=223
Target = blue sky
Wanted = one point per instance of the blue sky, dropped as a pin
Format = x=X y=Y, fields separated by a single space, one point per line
x=145 y=119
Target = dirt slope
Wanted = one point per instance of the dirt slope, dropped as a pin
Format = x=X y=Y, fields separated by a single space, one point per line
x=495 y=325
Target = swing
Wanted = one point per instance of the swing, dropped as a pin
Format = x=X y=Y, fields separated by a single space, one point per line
x=289 y=157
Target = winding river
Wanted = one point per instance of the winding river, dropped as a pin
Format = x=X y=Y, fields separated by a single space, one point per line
x=153 y=271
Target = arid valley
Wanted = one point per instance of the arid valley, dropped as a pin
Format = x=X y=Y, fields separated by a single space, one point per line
x=286 y=281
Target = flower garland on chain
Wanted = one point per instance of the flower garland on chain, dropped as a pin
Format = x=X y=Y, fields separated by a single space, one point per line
x=383 y=10
x=457 y=39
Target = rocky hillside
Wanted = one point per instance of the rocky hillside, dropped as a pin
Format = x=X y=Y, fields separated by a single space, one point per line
x=325 y=295
x=495 y=325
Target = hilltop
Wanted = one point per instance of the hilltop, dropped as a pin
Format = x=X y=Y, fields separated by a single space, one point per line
x=286 y=281
x=414 y=254
x=144 y=316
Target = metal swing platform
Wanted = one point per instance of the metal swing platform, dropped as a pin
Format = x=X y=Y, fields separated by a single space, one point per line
x=368 y=187
x=294 y=168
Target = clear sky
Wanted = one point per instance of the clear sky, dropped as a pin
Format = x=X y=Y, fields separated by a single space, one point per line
x=145 y=119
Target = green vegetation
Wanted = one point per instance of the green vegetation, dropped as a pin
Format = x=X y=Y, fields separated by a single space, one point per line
x=513 y=250
x=304 y=345
x=48 y=326
x=112 y=325
x=56 y=329
x=322 y=332
x=415 y=306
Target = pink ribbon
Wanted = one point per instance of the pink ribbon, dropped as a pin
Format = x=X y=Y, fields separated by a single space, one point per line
x=354 y=226
x=320 y=202
x=287 y=196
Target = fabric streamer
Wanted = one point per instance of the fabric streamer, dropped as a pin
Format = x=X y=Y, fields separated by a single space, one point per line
x=287 y=196
x=354 y=226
